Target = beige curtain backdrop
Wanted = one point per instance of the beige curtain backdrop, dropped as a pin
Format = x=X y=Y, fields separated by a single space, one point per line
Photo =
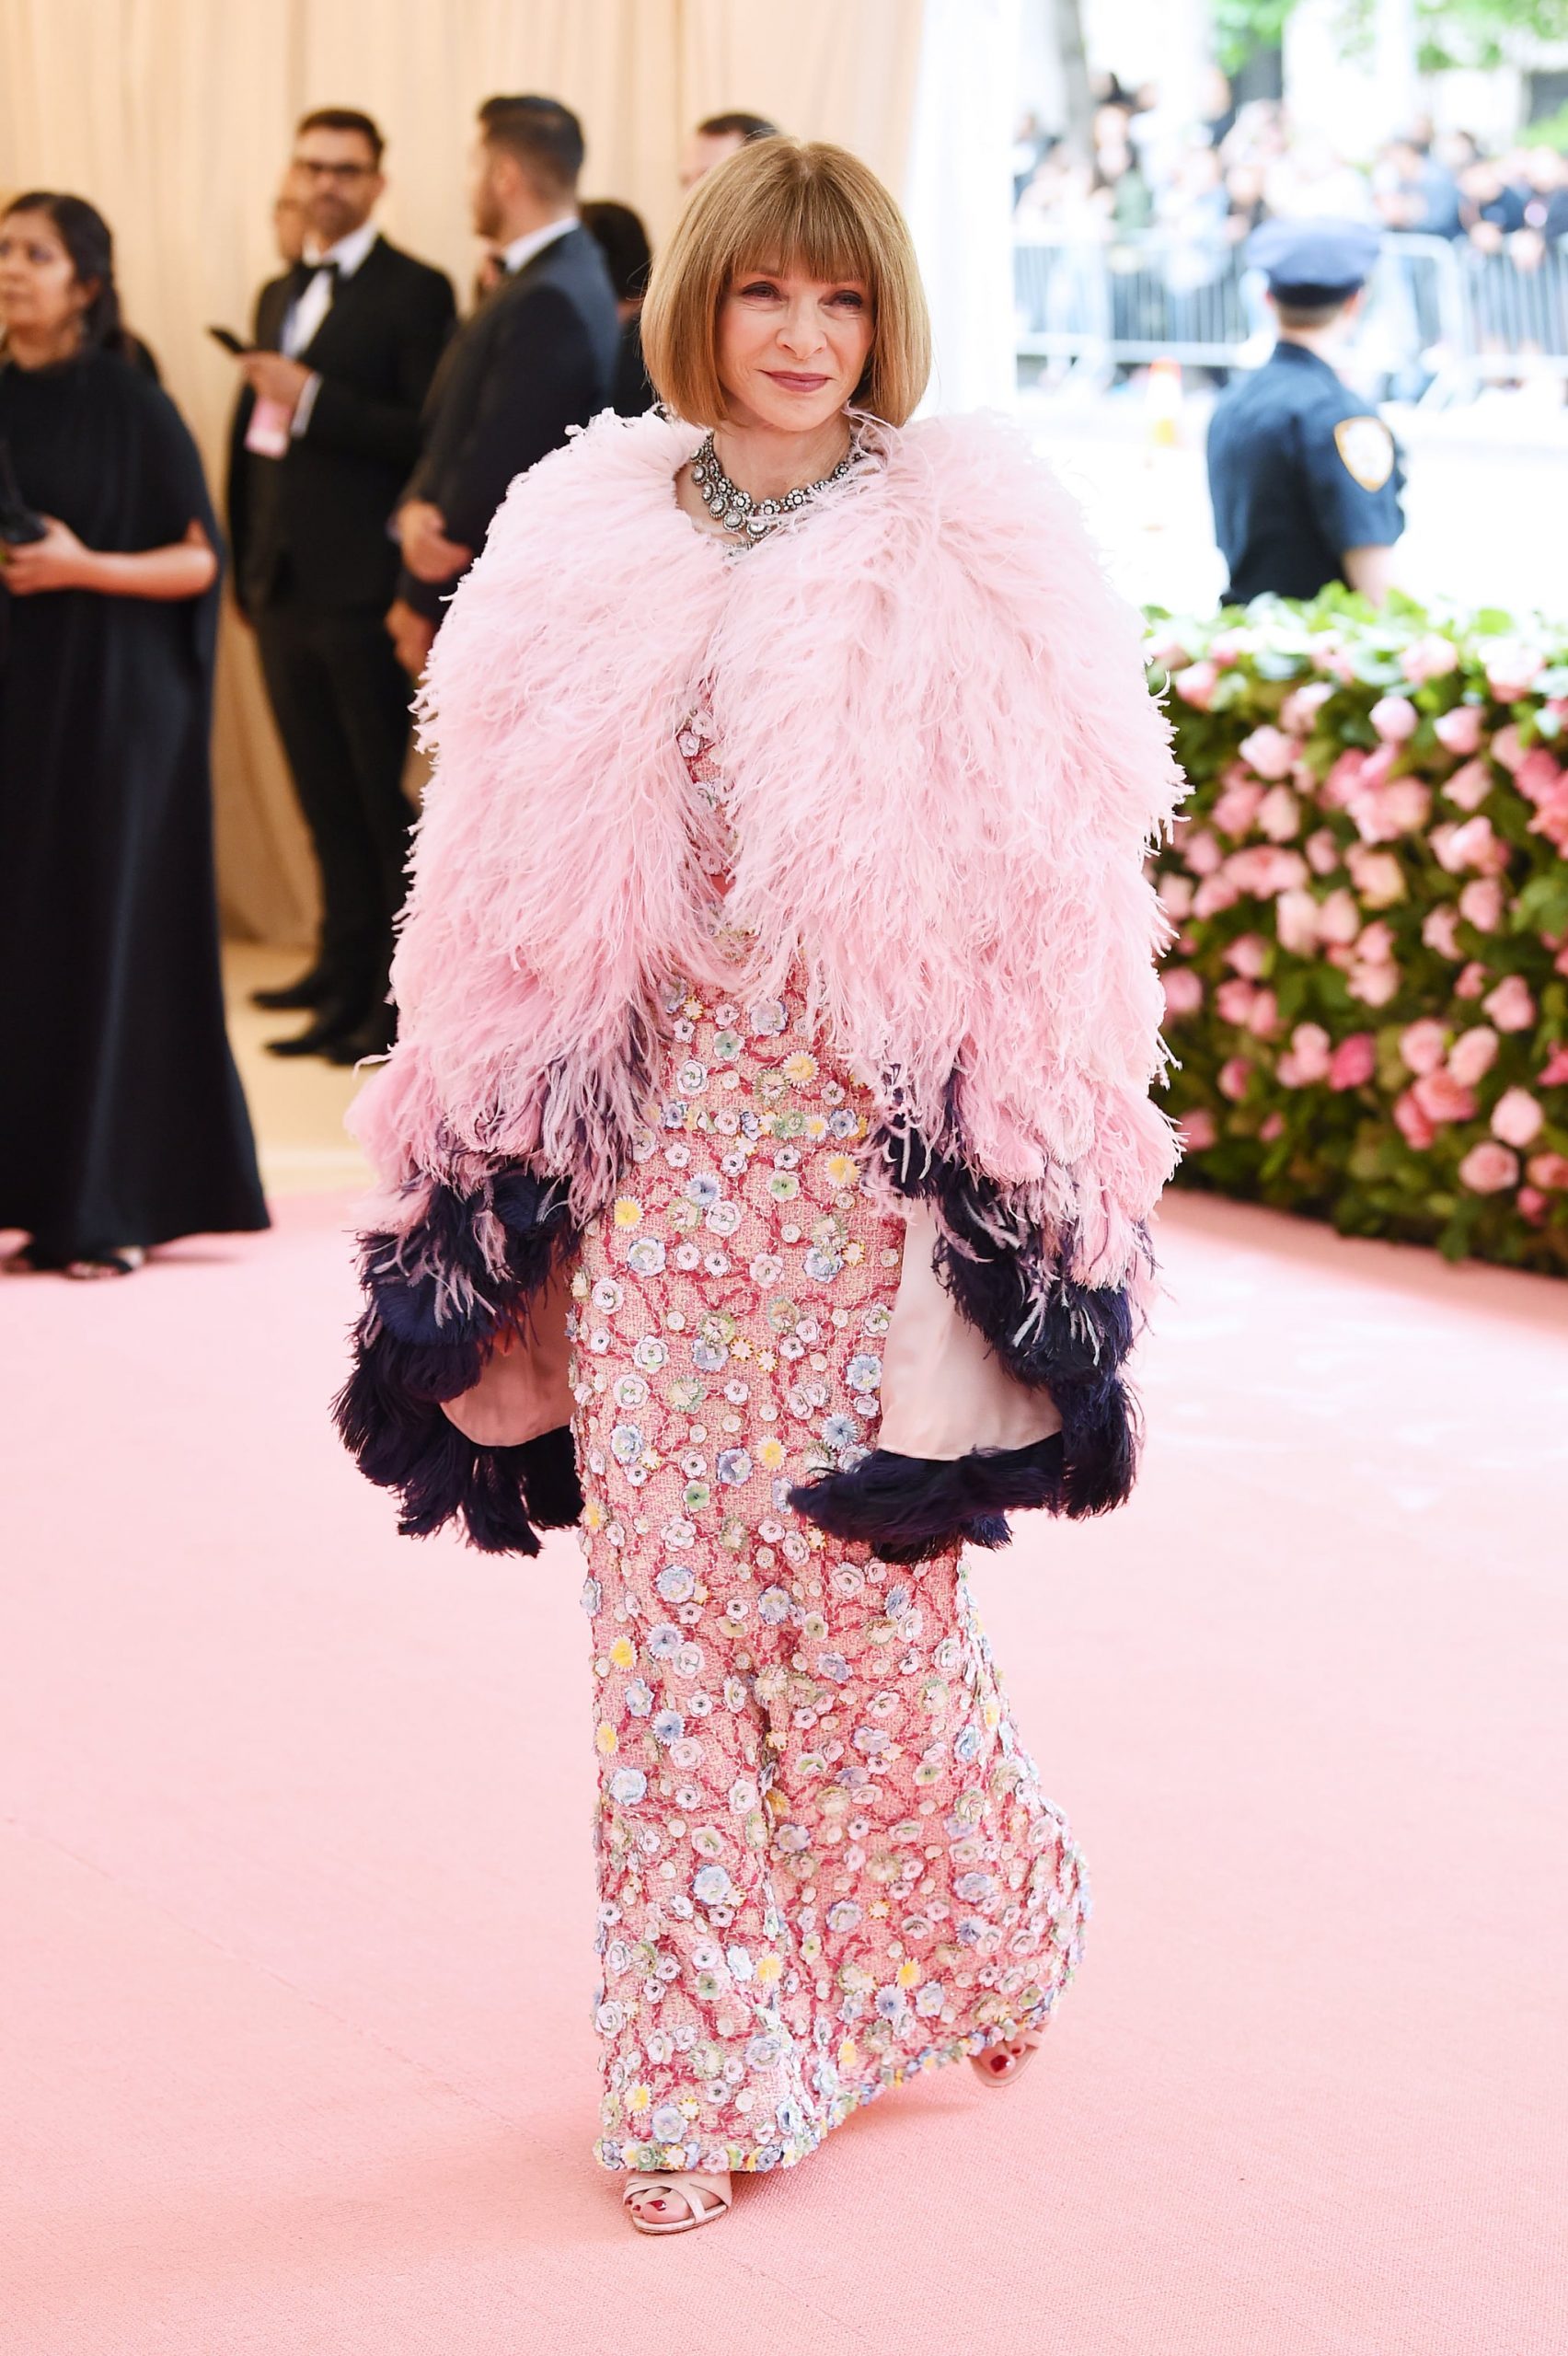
x=175 y=116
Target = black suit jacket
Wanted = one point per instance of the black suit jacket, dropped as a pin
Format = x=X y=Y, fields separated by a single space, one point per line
x=536 y=358
x=314 y=523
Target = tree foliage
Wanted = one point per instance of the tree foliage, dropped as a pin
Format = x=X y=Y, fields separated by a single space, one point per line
x=1449 y=32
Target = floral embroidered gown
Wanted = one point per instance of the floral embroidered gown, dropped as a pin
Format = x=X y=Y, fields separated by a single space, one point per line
x=825 y=1858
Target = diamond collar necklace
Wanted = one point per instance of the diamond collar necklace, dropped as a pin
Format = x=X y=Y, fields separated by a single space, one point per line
x=752 y=519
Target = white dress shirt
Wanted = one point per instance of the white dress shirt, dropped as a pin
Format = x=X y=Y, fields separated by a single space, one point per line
x=308 y=309
x=534 y=241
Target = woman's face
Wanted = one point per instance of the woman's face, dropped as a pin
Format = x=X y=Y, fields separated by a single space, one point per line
x=792 y=349
x=39 y=292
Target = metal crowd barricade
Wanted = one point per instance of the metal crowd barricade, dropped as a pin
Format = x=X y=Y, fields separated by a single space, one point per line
x=1437 y=320
x=1516 y=311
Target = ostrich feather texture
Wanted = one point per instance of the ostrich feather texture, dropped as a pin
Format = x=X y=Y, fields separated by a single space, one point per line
x=944 y=771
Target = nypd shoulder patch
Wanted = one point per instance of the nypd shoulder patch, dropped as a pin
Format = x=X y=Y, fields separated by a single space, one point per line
x=1366 y=450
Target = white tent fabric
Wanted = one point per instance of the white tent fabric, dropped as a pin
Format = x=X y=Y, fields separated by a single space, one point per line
x=175 y=116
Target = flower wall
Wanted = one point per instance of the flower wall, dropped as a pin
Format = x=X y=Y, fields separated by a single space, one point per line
x=1368 y=990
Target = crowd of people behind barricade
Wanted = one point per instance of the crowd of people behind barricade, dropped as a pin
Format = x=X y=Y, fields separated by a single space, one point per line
x=1217 y=173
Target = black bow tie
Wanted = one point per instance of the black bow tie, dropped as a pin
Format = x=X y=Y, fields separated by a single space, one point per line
x=303 y=273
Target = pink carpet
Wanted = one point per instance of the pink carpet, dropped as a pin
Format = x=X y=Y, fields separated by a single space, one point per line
x=295 y=1877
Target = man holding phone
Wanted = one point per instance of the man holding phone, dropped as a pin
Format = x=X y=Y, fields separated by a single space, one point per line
x=325 y=432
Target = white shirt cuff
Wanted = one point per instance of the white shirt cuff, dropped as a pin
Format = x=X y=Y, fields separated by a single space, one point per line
x=299 y=424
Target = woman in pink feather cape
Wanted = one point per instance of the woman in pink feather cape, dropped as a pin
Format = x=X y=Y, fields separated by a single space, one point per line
x=768 y=1156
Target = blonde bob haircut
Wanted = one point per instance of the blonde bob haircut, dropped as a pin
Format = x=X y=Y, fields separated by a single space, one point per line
x=783 y=204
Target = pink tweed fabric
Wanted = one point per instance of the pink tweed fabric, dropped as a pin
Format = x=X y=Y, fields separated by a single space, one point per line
x=825 y=1862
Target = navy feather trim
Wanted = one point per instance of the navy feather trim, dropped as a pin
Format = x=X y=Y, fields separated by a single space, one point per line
x=909 y=1507
x=1049 y=1331
x=436 y=1307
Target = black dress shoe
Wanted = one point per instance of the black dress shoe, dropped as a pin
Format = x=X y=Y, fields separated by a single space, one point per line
x=374 y=1037
x=334 y=1023
x=314 y=989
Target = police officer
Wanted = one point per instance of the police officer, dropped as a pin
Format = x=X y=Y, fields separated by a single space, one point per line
x=1303 y=476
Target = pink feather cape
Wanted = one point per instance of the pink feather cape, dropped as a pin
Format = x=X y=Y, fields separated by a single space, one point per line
x=945 y=773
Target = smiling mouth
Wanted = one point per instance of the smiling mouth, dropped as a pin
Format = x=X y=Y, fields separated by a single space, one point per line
x=796 y=382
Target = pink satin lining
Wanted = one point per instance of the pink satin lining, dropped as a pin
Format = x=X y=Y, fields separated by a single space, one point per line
x=944 y=1392
x=526 y=1387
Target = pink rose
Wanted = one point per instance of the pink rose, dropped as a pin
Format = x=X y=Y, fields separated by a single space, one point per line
x=1235 y=808
x=1429 y=658
x=1412 y=1121
x=1264 y=868
x=1508 y=749
x=1512 y=668
x=1312 y=1050
x=1339 y=918
x=1202 y=853
x=1469 y=787
x=1510 y=1005
x=1195 y=686
x=1443 y=1098
x=1234 y=1074
x=1532 y=1204
x=1228 y=646
x=1554 y=1073
x=1213 y=895
x=1176 y=896
x=1354 y=1061
x=1279 y=814
x=1165 y=649
x=1559 y=962
x=1473 y=1056
x=1375 y=943
x=1470 y=980
x=1342 y=780
x=1233 y=1002
x=1460 y=731
x=1270 y=752
x=1489 y=1168
x=1538 y=775
x=1377 y=874
x=1198 y=1131
x=1376 y=765
x=1551 y=1170
x=1438 y=931
x=1322 y=852
x=1373 y=985
x=1184 y=992
x=1399 y=808
x=1272 y=1128
x=1481 y=903
x=1422 y=1044
x=1395 y=718
x=1299 y=713
x=1476 y=845
x=1262 y=1017
x=1248 y=954
x=1516 y=1118
x=1295 y=922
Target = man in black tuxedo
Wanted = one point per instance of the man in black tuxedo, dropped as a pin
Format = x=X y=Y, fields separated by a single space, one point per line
x=536 y=358
x=326 y=427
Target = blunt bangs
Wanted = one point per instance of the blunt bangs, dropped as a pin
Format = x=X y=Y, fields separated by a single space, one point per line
x=778 y=205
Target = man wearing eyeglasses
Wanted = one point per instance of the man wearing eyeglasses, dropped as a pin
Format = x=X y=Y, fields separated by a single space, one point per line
x=326 y=431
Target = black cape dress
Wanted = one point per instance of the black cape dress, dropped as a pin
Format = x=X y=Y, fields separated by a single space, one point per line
x=122 y=1117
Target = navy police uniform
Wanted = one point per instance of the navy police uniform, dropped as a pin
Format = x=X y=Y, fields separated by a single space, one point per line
x=1299 y=468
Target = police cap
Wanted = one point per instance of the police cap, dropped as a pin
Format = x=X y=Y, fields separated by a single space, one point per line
x=1313 y=263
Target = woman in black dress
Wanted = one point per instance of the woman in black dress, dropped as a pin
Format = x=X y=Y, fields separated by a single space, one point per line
x=122 y=1120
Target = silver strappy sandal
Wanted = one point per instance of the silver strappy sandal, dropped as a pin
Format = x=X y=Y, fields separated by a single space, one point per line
x=706 y=2199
